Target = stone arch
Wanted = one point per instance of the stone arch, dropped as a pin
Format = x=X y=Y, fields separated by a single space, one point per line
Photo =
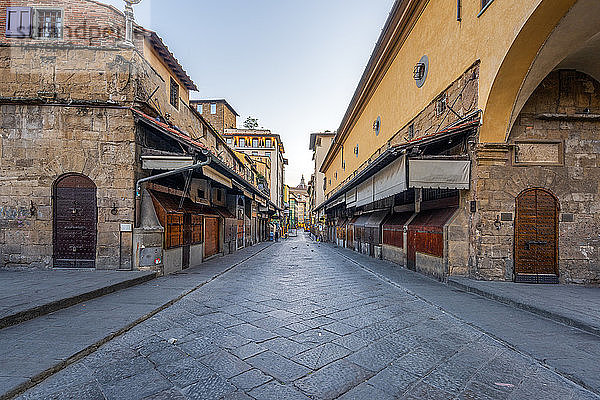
x=558 y=35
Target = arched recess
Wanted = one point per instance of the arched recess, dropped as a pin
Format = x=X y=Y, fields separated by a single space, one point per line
x=75 y=216
x=536 y=237
x=561 y=34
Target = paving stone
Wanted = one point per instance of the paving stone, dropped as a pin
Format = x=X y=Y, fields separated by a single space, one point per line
x=339 y=328
x=167 y=356
x=366 y=391
x=393 y=380
x=275 y=390
x=252 y=332
x=186 y=372
x=196 y=346
x=225 y=363
x=137 y=386
x=315 y=336
x=285 y=347
x=122 y=369
x=169 y=394
x=277 y=366
x=321 y=355
x=211 y=387
x=333 y=380
x=250 y=379
x=248 y=350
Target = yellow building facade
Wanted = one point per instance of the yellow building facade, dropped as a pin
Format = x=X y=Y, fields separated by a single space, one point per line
x=467 y=83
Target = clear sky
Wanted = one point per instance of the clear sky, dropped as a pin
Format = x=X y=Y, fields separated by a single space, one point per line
x=293 y=64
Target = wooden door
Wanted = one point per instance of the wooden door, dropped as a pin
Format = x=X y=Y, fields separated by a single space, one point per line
x=211 y=236
x=187 y=240
x=536 y=237
x=411 y=251
x=75 y=222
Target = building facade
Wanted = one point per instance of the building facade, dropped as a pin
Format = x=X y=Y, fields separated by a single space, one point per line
x=300 y=197
x=217 y=112
x=262 y=144
x=104 y=164
x=473 y=152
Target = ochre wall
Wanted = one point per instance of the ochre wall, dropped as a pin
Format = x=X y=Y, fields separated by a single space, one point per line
x=452 y=47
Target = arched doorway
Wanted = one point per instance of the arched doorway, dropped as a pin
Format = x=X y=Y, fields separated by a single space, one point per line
x=536 y=237
x=74 y=222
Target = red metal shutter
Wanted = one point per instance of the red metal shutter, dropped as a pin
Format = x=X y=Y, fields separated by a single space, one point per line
x=18 y=22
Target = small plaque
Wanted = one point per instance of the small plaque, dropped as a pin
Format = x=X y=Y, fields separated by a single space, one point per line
x=540 y=153
x=126 y=227
x=568 y=217
x=506 y=217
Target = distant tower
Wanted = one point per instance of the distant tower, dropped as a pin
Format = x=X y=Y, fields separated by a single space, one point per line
x=302 y=183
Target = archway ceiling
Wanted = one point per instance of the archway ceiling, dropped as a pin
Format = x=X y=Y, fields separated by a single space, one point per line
x=573 y=44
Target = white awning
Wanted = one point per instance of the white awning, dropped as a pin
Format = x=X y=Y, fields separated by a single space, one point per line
x=337 y=202
x=166 y=163
x=216 y=176
x=351 y=198
x=390 y=180
x=439 y=174
x=364 y=193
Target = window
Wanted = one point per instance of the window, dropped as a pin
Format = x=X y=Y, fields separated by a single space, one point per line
x=213 y=109
x=199 y=108
x=196 y=229
x=242 y=142
x=440 y=105
x=229 y=141
x=48 y=23
x=18 y=22
x=411 y=132
x=268 y=143
x=174 y=94
x=174 y=231
x=255 y=153
x=254 y=142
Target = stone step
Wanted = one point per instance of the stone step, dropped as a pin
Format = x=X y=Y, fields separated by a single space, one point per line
x=31 y=294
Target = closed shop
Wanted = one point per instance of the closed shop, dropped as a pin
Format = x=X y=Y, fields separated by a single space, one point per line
x=393 y=229
x=373 y=232
x=425 y=252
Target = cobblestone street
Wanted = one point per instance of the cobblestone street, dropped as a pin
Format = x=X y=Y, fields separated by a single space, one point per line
x=299 y=320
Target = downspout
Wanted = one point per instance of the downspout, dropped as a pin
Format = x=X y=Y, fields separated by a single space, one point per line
x=138 y=185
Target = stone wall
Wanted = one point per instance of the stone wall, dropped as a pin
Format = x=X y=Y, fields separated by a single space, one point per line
x=40 y=143
x=564 y=111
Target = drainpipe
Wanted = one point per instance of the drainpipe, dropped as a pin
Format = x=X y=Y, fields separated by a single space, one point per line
x=138 y=185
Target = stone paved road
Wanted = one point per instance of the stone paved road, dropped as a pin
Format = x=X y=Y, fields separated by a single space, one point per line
x=300 y=321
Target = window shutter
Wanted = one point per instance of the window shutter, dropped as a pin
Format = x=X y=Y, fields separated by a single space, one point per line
x=18 y=22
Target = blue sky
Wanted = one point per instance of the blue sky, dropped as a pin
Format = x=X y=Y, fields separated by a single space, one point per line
x=293 y=64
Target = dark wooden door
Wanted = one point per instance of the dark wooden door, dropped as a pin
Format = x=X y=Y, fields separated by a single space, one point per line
x=211 y=236
x=187 y=240
x=411 y=251
x=536 y=237
x=75 y=222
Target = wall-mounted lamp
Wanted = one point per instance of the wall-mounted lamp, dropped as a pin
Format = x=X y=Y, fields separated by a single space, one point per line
x=420 y=71
x=32 y=209
x=114 y=210
x=377 y=125
x=498 y=223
